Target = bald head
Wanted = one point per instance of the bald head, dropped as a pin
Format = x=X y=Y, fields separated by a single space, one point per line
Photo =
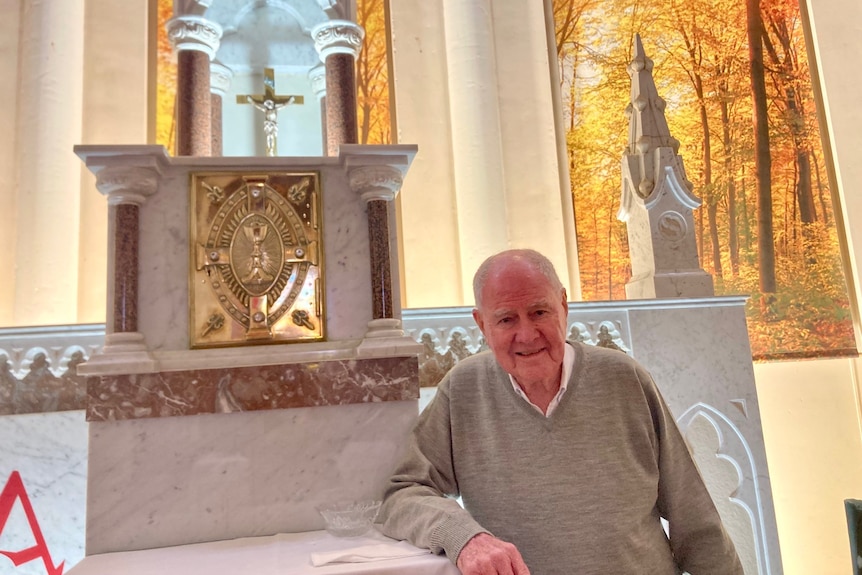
x=533 y=258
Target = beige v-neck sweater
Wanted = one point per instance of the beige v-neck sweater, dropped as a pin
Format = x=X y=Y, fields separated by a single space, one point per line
x=581 y=491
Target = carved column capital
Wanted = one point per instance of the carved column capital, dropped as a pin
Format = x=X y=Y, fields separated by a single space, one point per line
x=220 y=77
x=376 y=182
x=194 y=33
x=337 y=37
x=317 y=75
x=127 y=185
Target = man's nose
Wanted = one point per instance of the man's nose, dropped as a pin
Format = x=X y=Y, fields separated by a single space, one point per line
x=526 y=331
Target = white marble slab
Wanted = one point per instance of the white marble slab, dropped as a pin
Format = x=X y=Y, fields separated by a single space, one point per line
x=698 y=353
x=179 y=480
x=49 y=451
x=282 y=554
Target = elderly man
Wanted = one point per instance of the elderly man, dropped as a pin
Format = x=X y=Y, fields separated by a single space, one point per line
x=565 y=455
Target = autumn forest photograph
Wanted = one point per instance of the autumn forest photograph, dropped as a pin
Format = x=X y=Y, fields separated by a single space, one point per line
x=737 y=83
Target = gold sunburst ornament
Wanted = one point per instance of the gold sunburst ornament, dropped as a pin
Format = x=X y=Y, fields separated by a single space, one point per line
x=256 y=255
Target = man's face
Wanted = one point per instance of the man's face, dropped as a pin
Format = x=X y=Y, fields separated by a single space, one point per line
x=523 y=319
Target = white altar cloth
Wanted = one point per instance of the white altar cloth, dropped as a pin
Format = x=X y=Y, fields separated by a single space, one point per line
x=282 y=554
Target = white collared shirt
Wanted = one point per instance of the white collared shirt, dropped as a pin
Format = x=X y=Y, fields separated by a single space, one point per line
x=568 y=364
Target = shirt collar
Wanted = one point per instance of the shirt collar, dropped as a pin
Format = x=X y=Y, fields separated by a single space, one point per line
x=568 y=365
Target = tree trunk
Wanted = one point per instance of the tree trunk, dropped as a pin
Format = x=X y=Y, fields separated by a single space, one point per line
x=820 y=197
x=746 y=228
x=733 y=238
x=709 y=191
x=762 y=157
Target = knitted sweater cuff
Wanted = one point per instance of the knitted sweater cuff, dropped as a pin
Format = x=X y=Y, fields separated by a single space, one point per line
x=454 y=533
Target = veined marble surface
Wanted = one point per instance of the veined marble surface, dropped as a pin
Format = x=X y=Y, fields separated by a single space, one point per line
x=229 y=390
x=49 y=451
x=177 y=480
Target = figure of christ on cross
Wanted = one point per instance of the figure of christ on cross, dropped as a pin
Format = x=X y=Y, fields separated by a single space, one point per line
x=269 y=103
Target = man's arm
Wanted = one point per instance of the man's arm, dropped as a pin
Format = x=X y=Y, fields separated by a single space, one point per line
x=419 y=503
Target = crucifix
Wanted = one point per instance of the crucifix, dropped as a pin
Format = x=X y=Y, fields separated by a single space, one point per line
x=269 y=103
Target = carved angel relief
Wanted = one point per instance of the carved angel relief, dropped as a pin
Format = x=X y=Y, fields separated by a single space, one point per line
x=256 y=255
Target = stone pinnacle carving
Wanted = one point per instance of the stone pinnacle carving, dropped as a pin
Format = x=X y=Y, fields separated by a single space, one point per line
x=657 y=199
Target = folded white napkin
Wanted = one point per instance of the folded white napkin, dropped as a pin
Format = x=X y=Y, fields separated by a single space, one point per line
x=365 y=553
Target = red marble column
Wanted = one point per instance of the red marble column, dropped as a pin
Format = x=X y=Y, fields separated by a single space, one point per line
x=196 y=40
x=378 y=186
x=338 y=43
x=341 y=126
x=381 y=278
x=125 y=256
x=126 y=187
x=194 y=118
x=216 y=148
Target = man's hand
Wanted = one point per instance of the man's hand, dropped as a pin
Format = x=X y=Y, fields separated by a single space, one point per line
x=484 y=554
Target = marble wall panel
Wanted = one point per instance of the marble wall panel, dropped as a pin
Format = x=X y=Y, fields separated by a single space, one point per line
x=168 y=481
x=49 y=453
x=697 y=352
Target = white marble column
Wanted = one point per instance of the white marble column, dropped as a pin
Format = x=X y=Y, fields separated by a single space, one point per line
x=220 y=77
x=51 y=57
x=317 y=75
x=473 y=88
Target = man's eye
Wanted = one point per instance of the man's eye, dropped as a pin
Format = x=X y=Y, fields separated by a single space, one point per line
x=505 y=320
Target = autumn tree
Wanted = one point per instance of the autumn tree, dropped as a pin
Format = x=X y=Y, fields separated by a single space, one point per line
x=781 y=19
x=762 y=157
x=166 y=72
x=372 y=75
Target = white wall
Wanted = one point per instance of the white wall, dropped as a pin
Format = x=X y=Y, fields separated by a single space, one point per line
x=810 y=415
x=9 y=26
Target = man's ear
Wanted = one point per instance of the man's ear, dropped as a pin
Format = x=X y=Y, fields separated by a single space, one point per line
x=477 y=317
x=565 y=300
